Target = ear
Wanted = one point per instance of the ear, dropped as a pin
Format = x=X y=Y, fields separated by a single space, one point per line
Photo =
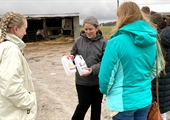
x=15 y=28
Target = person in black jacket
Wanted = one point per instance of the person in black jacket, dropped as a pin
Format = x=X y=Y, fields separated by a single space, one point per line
x=90 y=45
x=164 y=79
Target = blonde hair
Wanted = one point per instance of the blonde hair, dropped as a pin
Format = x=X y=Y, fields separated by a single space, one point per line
x=130 y=12
x=8 y=21
x=160 y=54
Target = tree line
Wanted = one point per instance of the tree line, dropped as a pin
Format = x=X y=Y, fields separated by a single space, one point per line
x=108 y=24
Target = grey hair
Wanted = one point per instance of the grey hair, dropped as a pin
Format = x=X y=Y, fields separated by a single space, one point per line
x=91 y=20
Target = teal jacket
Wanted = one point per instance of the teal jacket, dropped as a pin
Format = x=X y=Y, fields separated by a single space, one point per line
x=128 y=66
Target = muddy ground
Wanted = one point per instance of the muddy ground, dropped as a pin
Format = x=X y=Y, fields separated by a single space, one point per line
x=56 y=93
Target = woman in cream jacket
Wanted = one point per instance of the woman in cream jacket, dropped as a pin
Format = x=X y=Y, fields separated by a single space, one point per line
x=17 y=94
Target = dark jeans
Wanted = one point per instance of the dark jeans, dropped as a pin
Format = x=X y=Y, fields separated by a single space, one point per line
x=88 y=96
x=140 y=114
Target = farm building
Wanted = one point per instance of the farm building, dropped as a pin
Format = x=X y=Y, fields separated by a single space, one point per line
x=167 y=16
x=166 y=13
x=51 y=26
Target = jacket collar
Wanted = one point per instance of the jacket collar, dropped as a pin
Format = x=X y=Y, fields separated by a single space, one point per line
x=13 y=38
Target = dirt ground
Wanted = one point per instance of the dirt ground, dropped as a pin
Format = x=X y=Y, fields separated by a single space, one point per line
x=56 y=93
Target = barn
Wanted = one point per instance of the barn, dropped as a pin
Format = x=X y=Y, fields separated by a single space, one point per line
x=51 y=26
x=166 y=13
x=167 y=16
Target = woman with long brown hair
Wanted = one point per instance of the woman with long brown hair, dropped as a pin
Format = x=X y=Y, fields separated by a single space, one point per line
x=129 y=65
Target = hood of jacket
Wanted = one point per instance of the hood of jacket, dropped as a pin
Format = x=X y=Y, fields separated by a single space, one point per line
x=13 y=38
x=141 y=32
x=99 y=35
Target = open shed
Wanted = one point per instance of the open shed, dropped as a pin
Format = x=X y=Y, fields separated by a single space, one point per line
x=51 y=26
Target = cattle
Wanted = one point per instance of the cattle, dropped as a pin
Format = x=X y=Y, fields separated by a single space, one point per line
x=40 y=32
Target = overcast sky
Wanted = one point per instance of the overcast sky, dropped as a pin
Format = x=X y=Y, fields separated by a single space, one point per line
x=104 y=10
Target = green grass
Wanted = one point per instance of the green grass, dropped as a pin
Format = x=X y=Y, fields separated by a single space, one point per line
x=106 y=30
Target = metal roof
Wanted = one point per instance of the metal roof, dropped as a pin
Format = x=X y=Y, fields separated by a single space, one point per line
x=49 y=15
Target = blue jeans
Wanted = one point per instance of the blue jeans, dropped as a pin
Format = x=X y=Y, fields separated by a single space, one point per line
x=140 y=114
